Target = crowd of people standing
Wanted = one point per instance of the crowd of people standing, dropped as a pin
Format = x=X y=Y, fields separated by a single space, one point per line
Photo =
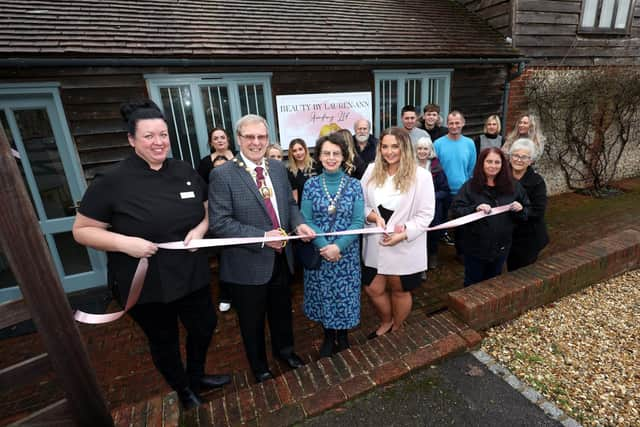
x=413 y=177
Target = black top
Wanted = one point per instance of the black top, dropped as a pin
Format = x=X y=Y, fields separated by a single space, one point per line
x=437 y=132
x=532 y=235
x=368 y=154
x=489 y=238
x=297 y=181
x=204 y=167
x=160 y=206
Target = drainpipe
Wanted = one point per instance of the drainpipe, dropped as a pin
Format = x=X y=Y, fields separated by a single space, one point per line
x=505 y=94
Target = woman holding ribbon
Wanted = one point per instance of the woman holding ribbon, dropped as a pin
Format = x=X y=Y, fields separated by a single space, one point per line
x=398 y=197
x=332 y=201
x=219 y=143
x=529 y=237
x=486 y=242
x=146 y=199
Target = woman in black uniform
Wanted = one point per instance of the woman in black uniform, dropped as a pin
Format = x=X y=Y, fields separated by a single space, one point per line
x=148 y=198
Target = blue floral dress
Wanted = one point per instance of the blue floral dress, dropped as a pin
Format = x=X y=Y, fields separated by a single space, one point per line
x=332 y=293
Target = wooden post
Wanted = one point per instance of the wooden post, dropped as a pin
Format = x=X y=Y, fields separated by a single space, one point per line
x=22 y=241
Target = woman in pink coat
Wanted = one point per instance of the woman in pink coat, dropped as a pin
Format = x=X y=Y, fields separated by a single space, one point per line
x=398 y=196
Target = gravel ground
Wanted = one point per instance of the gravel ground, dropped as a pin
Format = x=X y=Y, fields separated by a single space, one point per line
x=582 y=352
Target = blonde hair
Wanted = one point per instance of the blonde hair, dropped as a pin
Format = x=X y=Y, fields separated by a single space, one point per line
x=405 y=176
x=495 y=118
x=307 y=162
x=534 y=134
x=349 y=162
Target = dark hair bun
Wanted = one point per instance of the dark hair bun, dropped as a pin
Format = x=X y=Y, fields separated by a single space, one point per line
x=127 y=109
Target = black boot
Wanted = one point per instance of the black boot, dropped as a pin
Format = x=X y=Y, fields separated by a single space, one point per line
x=329 y=344
x=188 y=398
x=343 y=340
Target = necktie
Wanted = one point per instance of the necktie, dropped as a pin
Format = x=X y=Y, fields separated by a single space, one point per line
x=260 y=182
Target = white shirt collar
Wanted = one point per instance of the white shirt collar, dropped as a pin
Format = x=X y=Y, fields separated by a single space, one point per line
x=250 y=164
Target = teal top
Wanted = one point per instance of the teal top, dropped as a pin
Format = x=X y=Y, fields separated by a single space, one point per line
x=357 y=216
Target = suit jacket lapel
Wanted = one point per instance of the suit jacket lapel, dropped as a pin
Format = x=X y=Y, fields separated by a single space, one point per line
x=249 y=182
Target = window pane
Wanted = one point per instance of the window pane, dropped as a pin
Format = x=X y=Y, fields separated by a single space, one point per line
x=412 y=91
x=589 y=16
x=217 y=113
x=74 y=257
x=437 y=92
x=12 y=144
x=46 y=165
x=388 y=103
x=178 y=109
x=606 y=13
x=622 y=14
x=252 y=99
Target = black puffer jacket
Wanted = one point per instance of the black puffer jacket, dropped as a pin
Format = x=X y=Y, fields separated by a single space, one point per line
x=488 y=238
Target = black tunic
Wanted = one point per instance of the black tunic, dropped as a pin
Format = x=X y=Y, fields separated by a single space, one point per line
x=160 y=206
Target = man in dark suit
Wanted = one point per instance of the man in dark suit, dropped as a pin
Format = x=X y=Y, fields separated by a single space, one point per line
x=251 y=196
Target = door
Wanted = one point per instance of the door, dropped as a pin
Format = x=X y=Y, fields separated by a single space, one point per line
x=35 y=126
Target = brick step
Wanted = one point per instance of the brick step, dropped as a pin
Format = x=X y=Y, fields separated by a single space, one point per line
x=320 y=384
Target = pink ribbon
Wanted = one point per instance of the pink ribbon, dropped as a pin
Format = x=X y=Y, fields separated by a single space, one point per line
x=136 y=287
x=141 y=270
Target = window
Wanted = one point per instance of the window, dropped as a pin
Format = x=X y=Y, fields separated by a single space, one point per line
x=606 y=16
x=194 y=104
x=395 y=89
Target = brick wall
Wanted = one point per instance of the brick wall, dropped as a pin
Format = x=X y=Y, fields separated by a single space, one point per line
x=505 y=297
x=628 y=167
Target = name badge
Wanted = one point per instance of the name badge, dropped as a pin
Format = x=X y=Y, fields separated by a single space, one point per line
x=187 y=195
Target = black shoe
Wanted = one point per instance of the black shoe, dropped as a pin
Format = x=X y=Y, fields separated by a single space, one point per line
x=447 y=239
x=374 y=334
x=263 y=376
x=329 y=344
x=188 y=398
x=293 y=360
x=209 y=382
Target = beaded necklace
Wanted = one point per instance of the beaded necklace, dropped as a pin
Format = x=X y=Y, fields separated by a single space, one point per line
x=332 y=200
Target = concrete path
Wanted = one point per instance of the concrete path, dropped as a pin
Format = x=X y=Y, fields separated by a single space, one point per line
x=458 y=392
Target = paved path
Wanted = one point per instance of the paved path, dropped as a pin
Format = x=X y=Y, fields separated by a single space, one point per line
x=459 y=392
x=119 y=351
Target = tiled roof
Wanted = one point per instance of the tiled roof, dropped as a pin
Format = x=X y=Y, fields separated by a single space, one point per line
x=252 y=29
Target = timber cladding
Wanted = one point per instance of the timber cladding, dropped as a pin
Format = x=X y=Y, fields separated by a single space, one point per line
x=548 y=32
x=91 y=96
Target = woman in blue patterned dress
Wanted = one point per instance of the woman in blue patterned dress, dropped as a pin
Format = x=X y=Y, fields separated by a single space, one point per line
x=333 y=201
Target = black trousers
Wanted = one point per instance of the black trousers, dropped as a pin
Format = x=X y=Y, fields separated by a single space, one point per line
x=519 y=258
x=159 y=322
x=272 y=300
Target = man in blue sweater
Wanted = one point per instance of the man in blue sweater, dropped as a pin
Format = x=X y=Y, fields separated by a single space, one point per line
x=457 y=155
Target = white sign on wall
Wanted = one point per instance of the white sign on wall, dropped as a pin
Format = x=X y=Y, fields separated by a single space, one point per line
x=312 y=115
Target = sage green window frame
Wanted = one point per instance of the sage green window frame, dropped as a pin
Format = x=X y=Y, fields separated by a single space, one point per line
x=195 y=82
x=403 y=80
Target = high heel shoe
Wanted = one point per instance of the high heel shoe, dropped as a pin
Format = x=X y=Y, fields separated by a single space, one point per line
x=374 y=334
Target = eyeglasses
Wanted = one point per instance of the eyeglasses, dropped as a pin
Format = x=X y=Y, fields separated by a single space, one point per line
x=520 y=158
x=261 y=138
x=336 y=154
